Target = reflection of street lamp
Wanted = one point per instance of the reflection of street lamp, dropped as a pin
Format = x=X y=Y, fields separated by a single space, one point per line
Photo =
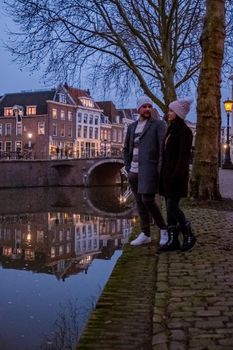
x=30 y=140
x=105 y=147
x=228 y=108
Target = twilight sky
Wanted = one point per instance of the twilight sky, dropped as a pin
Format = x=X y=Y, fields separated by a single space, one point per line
x=12 y=79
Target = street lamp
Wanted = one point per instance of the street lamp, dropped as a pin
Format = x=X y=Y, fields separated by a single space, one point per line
x=228 y=104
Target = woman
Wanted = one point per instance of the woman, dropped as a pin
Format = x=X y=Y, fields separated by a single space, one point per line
x=174 y=175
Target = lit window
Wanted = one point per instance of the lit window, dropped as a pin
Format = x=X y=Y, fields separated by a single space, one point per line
x=31 y=110
x=70 y=116
x=41 y=128
x=63 y=117
x=54 y=113
x=87 y=102
x=8 y=111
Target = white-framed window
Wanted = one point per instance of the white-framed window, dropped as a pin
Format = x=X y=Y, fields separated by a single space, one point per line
x=54 y=113
x=90 y=132
x=8 y=129
x=18 y=146
x=8 y=111
x=70 y=116
x=62 y=130
x=31 y=110
x=119 y=139
x=79 y=131
x=54 y=129
x=85 y=118
x=91 y=119
x=19 y=129
x=96 y=120
x=1 y=129
x=41 y=128
x=63 y=116
x=114 y=135
x=79 y=117
x=87 y=102
x=62 y=98
x=96 y=133
x=85 y=132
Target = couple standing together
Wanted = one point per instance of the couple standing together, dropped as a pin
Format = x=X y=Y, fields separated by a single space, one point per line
x=157 y=161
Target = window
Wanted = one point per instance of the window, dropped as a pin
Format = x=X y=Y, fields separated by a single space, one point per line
x=0 y=129
x=63 y=116
x=8 y=130
x=85 y=132
x=54 y=130
x=70 y=116
x=79 y=117
x=85 y=117
x=79 y=131
x=54 y=113
x=119 y=136
x=96 y=120
x=69 y=131
x=87 y=102
x=41 y=128
x=18 y=146
x=19 y=129
x=90 y=132
x=62 y=131
x=96 y=133
x=8 y=146
x=8 y=111
x=62 y=98
x=1 y=146
x=91 y=119
x=114 y=135
x=31 y=110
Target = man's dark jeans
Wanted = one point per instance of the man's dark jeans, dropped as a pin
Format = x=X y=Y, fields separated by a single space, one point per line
x=146 y=205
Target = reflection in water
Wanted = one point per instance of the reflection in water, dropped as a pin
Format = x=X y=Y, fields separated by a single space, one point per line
x=63 y=242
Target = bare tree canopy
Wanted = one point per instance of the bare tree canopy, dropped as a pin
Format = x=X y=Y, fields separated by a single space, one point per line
x=152 y=44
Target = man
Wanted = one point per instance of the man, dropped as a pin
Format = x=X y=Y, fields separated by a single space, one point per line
x=142 y=151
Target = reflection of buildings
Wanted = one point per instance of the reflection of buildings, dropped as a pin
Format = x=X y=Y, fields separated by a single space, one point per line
x=59 y=243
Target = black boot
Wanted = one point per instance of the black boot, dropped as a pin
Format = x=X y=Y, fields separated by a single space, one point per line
x=189 y=239
x=173 y=241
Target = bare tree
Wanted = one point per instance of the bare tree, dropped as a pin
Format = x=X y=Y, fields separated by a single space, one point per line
x=204 y=181
x=153 y=44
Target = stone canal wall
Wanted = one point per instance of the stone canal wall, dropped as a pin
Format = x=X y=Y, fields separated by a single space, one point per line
x=68 y=172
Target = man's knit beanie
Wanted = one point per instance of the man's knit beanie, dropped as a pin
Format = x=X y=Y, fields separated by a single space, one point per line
x=144 y=100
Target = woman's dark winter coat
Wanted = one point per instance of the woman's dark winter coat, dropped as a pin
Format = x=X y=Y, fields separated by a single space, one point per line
x=174 y=173
x=150 y=149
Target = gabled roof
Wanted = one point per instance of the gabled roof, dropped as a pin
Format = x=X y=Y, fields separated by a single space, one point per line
x=28 y=98
x=76 y=94
x=109 y=109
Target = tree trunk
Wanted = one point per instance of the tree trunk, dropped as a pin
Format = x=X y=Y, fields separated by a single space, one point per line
x=204 y=179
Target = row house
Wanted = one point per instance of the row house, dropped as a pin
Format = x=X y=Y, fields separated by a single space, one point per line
x=37 y=123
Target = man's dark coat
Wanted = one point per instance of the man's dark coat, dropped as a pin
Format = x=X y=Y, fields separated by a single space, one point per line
x=149 y=157
x=174 y=174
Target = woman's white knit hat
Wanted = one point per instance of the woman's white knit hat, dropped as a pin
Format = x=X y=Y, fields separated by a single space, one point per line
x=181 y=107
x=144 y=100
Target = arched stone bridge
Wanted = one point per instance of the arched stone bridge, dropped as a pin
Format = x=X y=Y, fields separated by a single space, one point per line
x=61 y=172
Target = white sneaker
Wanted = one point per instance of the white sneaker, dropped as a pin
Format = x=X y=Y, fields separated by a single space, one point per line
x=163 y=237
x=141 y=239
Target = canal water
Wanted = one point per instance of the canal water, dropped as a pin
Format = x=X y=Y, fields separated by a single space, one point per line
x=58 y=247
